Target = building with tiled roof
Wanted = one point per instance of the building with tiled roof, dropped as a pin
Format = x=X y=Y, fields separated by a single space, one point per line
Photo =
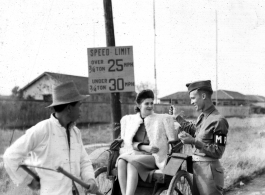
x=224 y=98
x=256 y=100
x=229 y=98
x=181 y=98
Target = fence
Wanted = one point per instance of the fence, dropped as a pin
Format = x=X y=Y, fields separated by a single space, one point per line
x=22 y=114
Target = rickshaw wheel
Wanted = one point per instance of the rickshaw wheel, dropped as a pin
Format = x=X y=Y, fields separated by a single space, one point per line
x=181 y=184
x=104 y=184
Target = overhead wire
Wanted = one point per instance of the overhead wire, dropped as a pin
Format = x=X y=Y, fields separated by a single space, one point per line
x=34 y=64
x=43 y=32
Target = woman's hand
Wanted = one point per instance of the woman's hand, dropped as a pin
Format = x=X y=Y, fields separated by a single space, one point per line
x=154 y=149
x=149 y=149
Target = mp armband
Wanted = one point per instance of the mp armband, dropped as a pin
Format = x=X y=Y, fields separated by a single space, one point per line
x=220 y=139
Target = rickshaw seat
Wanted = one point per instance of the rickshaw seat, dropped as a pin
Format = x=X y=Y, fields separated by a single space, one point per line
x=157 y=175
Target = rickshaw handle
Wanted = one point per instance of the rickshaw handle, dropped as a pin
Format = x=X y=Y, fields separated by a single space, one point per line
x=60 y=170
x=30 y=172
x=79 y=181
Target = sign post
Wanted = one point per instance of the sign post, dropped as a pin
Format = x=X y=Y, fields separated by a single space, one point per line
x=115 y=97
x=111 y=69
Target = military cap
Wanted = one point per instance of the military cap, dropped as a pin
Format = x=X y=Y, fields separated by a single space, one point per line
x=144 y=94
x=206 y=85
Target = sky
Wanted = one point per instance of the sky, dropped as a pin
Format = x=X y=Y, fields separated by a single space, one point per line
x=194 y=41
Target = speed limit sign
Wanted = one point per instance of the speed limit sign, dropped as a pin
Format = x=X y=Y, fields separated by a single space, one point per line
x=110 y=69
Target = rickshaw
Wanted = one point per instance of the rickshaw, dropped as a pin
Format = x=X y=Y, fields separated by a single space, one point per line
x=175 y=179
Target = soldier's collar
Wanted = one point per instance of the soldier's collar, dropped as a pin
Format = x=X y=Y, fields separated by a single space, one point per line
x=208 y=111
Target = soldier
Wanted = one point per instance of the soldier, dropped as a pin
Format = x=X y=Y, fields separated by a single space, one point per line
x=208 y=136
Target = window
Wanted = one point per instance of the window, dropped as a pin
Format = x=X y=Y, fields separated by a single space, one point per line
x=47 y=97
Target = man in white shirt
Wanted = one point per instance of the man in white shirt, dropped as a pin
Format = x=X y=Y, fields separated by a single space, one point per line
x=54 y=142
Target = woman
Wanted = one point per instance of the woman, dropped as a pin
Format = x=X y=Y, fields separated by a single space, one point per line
x=145 y=135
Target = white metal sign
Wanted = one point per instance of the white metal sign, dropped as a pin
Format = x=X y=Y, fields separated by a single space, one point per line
x=111 y=69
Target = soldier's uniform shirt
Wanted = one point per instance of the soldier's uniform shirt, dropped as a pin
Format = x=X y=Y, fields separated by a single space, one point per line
x=208 y=178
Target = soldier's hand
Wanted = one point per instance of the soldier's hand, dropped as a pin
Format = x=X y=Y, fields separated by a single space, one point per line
x=186 y=138
x=34 y=185
x=182 y=114
x=93 y=187
x=171 y=110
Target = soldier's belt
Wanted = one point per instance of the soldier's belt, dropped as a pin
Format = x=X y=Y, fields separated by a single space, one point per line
x=197 y=158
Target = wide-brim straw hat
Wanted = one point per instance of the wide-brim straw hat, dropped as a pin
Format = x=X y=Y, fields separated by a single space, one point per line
x=66 y=93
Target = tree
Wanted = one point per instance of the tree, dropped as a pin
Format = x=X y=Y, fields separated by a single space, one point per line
x=147 y=85
x=16 y=92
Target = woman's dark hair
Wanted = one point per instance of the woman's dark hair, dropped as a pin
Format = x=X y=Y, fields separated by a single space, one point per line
x=144 y=94
x=61 y=107
x=136 y=109
x=141 y=96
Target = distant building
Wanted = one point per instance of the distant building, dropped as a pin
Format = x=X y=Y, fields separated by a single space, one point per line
x=224 y=98
x=41 y=88
x=229 y=98
x=256 y=100
x=181 y=98
x=257 y=103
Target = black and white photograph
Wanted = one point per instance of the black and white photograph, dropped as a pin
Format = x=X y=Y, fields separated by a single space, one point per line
x=132 y=97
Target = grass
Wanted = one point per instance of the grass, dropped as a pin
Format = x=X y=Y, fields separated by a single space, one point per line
x=243 y=159
x=97 y=134
x=91 y=134
x=5 y=138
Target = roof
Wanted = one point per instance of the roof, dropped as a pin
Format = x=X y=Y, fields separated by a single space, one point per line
x=178 y=95
x=255 y=98
x=81 y=82
x=228 y=95
x=261 y=97
x=221 y=94
x=259 y=104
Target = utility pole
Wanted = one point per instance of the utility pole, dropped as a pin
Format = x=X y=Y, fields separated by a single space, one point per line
x=155 y=50
x=216 y=39
x=115 y=97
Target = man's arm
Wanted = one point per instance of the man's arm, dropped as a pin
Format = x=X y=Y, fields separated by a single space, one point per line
x=86 y=168
x=87 y=172
x=186 y=126
x=217 y=147
x=19 y=151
